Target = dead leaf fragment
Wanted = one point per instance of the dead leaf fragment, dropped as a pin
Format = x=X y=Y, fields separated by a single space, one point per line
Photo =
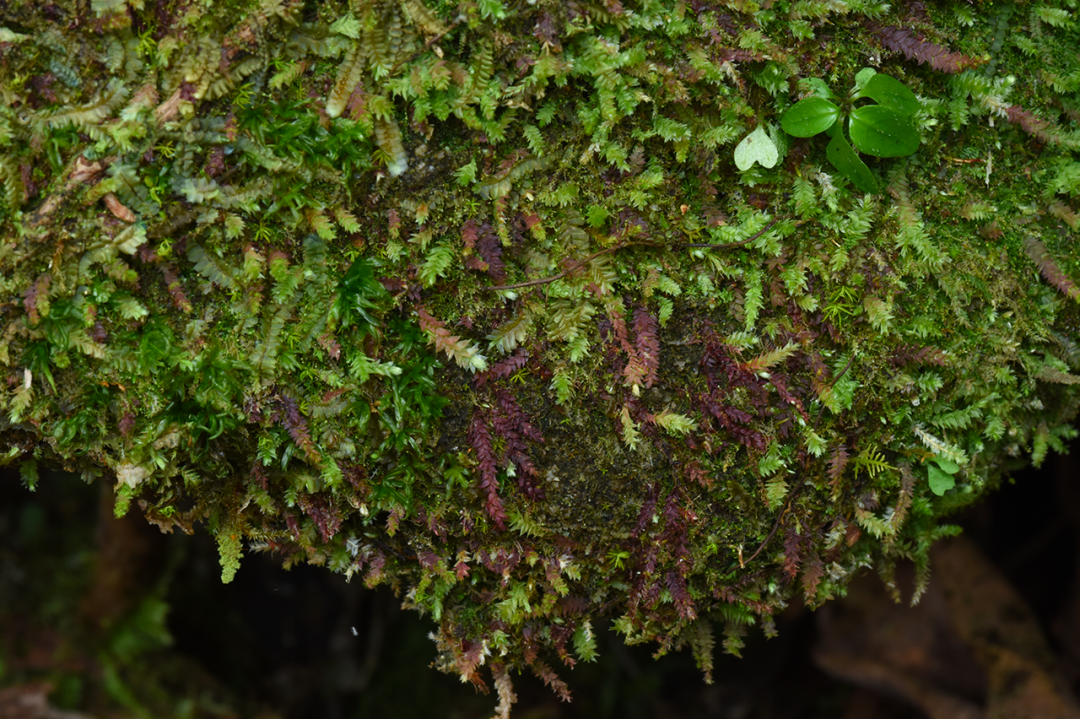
x=117 y=208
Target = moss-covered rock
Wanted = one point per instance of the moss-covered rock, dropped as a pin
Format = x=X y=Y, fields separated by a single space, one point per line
x=473 y=301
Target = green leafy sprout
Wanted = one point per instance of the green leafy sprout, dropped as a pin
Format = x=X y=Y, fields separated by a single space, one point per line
x=885 y=129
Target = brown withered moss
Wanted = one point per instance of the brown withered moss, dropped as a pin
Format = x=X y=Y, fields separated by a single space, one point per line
x=470 y=300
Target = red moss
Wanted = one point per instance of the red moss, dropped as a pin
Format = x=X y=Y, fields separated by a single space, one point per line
x=925 y=52
x=480 y=440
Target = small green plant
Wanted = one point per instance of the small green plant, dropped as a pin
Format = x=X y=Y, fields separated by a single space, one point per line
x=886 y=129
x=940 y=474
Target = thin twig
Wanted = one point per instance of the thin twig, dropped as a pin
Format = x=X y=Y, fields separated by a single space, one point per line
x=844 y=371
x=776 y=524
x=727 y=245
x=578 y=264
x=837 y=381
x=428 y=44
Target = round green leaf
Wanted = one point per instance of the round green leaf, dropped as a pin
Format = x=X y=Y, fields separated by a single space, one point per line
x=818 y=87
x=756 y=147
x=940 y=482
x=808 y=117
x=864 y=76
x=892 y=93
x=844 y=159
x=883 y=132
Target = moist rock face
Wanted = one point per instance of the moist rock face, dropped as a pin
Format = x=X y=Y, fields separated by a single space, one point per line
x=473 y=301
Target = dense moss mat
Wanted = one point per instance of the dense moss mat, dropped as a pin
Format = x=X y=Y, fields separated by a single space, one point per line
x=472 y=300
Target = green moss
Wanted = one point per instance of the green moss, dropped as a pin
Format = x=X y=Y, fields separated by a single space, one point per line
x=252 y=255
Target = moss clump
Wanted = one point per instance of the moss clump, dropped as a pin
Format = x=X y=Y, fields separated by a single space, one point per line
x=472 y=301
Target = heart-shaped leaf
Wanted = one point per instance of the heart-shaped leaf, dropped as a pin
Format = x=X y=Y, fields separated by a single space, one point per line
x=890 y=92
x=756 y=147
x=808 y=117
x=844 y=159
x=883 y=132
x=940 y=482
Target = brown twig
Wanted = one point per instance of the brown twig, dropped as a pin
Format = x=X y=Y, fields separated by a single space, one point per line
x=578 y=264
x=728 y=245
x=428 y=45
x=776 y=524
x=844 y=371
x=836 y=381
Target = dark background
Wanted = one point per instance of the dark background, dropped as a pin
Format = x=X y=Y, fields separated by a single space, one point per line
x=278 y=643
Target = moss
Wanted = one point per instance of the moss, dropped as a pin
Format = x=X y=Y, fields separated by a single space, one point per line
x=472 y=301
